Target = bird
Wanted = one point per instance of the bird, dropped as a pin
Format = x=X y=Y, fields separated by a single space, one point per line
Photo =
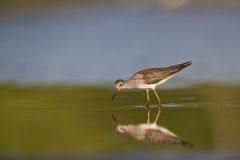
x=150 y=133
x=149 y=79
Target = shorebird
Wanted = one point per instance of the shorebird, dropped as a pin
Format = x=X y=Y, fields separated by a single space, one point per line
x=150 y=132
x=149 y=79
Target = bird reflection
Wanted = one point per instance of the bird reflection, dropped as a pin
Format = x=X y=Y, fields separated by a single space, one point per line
x=150 y=132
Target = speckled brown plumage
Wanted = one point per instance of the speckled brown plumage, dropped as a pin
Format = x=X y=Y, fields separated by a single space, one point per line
x=155 y=75
x=150 y=132
x=154 y=136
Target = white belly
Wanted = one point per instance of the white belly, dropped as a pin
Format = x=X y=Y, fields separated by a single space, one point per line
x=153 y=86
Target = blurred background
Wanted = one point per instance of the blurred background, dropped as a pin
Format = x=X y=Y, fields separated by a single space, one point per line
x=80 y=41
x=59 y=59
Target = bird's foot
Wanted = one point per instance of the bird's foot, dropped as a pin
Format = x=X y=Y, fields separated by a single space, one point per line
x=147 y=107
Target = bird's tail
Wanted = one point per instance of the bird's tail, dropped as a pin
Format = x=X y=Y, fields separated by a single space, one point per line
x=183 y=65
x=186 y=144
x=178 y=67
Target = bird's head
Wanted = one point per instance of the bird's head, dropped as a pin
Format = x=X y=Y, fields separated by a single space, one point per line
x=121 y=129
x=118 y=85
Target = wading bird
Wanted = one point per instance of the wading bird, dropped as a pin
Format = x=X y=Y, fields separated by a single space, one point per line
x=150 y=132
x=149 y=79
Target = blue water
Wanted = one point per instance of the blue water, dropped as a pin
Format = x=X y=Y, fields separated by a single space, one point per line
x=77 y=46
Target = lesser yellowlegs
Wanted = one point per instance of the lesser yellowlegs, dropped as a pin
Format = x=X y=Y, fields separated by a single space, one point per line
x=149 y=79
x=150 y=132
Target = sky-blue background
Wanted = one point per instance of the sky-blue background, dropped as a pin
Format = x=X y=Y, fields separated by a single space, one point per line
x=102 y=45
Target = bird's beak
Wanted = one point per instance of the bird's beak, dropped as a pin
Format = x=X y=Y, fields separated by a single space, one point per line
x=115 y=120
x=114 y=94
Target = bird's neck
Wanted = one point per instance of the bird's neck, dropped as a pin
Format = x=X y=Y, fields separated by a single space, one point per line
x=125 y=84
x=130 y=84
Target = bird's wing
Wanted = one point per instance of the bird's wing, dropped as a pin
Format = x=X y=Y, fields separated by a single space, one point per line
x=155 y=75
x=150 y=76
x=155 y=136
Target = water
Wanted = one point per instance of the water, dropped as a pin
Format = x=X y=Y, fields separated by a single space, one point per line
x=78 y=46
x=75 y=122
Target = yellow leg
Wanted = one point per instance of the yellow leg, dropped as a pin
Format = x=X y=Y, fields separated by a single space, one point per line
x=159 y=104
x=147 y=91
x=148 y=116
x=158 y=114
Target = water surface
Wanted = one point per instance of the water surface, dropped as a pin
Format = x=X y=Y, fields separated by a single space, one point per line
x=75 y=121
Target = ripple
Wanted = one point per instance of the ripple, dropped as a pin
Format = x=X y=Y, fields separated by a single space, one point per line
x=169 y=105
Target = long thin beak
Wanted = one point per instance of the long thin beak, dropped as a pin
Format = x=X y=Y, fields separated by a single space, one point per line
x=114 y=119
x=114 y=95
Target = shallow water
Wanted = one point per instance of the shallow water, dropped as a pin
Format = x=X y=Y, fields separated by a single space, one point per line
x=75 y=121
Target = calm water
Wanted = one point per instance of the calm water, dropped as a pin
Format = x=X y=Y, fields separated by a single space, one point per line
x=75 y=122
x=73 y=45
